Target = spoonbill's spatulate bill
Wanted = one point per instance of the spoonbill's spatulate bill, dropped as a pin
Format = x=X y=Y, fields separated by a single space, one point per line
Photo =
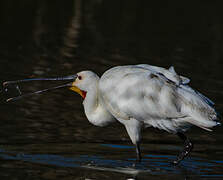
x=141 y=96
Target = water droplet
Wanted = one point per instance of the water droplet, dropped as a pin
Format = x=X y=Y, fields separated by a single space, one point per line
x=17 y=87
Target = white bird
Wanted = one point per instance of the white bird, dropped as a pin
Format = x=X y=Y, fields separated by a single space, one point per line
x=141 y=96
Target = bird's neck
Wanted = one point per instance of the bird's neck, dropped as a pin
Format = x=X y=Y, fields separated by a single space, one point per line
x=96 y=113
x=91 y=99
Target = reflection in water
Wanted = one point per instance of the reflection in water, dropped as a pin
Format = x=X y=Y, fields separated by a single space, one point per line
x=72 y=33
x=151 y=164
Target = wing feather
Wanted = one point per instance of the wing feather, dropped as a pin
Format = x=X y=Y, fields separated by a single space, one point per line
x=154 y=96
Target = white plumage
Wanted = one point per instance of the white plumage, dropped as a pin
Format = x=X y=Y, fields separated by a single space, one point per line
x=152 y=95
x=141 y=96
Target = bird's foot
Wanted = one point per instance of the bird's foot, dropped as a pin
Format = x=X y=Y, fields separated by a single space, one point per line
x=137 y=162
x=188 y=146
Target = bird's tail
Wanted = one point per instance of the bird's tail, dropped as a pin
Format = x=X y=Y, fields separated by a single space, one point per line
x=219 y=118
x=199 y=111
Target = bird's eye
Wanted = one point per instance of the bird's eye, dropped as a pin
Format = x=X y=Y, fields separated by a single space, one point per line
x=79 y=77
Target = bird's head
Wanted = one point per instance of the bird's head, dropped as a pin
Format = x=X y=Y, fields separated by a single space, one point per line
x=84 y=82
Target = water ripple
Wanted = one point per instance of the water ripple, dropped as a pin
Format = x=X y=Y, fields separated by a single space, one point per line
x=151 y=163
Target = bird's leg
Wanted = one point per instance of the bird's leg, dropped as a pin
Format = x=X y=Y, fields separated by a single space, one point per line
x=188 y=146
x=138 y=152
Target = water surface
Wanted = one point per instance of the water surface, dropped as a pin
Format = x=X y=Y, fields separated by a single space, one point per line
x=48 y=136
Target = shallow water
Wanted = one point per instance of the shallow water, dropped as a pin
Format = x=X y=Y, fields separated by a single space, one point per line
x=152 y=165
x=48 y=136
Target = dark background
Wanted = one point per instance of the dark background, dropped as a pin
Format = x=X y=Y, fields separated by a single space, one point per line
x=45 y=38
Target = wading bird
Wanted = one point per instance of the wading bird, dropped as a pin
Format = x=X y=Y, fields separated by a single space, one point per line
x=141 y=96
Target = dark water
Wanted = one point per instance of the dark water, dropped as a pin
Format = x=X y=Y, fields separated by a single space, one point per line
x=48 y=136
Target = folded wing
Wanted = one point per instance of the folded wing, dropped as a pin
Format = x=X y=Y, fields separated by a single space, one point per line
x=156 y=96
